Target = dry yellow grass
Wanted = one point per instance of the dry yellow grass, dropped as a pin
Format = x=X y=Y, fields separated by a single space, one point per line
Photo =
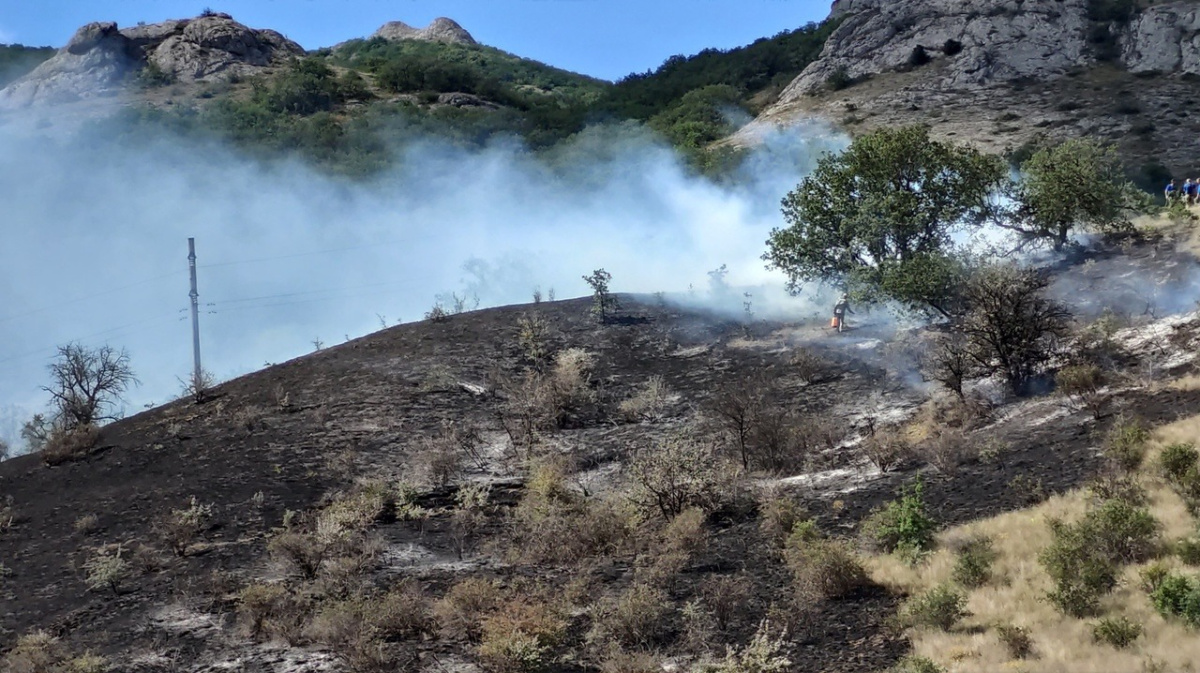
x=1015 y=594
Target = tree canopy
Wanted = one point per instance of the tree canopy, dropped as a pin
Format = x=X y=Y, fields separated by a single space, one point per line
x=1078 y=184
x=879 y=218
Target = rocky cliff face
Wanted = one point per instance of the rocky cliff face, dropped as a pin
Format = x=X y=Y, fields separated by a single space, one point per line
x=997 y=73
x=100 y=59
x=440 y=30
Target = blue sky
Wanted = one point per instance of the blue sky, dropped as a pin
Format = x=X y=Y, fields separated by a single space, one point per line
x=603 y=38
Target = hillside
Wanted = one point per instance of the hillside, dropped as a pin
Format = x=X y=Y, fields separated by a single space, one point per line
x=16 y=60
x=347 y=107
x=1001 y=75
x=493 y=488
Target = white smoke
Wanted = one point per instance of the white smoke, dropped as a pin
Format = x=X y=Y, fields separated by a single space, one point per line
x=95 y=243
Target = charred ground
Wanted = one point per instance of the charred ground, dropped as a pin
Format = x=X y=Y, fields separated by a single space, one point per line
x=294 y=436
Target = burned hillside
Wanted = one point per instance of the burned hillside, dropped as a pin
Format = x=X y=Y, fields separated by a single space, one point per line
x=527 y=487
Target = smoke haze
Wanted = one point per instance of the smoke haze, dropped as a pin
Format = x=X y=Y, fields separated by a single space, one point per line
x=95 y=243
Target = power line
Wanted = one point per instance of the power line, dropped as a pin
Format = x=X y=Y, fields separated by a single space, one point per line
x=76 y=300
x=109 y=331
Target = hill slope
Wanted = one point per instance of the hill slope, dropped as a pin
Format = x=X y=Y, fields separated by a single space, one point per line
x=1000 y=74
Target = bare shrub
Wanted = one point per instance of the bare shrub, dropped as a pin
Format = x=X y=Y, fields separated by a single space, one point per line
x=949 y=363
x=725 y=597
x=537 y=402
x=440 y=461
x=886 y=448
x=1012 y=328
x=300 y=552
x=680 y=473
x=1082 y=386
x=270 y=610
x=1016 y=640
x=760 y=655
x=635 y=619
x=685 y=534
x=64 y=446
x=437 y=313
x=648 y=403
x=947 y=449
x=87 y=524
x=41 y=652
x=460 y=613
x=736 y=406
x=630 y=662
x=86 y=383
x=198 y=385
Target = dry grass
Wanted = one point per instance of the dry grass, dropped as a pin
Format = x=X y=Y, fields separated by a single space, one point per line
x=1015 y=596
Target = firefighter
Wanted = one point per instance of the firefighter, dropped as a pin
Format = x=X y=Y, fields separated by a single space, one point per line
x=839 y=312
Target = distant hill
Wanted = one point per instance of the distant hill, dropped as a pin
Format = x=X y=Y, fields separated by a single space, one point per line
x=344 y=107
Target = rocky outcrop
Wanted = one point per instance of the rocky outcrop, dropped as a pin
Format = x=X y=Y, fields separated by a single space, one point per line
x=440 y=30
x=96 y=60
x=100 y=59
x=1164 y=38
x=213 y=45
x=979 y=42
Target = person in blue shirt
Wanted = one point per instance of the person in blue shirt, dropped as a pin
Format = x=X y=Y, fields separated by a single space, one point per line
x=1188 y=191
x=1170 y=191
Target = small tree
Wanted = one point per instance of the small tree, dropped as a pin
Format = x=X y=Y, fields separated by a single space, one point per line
x=1012 y=327
x=603 y=302
x=87 y=383
x=1078 y=184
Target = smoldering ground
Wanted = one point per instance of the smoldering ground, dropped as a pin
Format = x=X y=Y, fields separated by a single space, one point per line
x=289 y=259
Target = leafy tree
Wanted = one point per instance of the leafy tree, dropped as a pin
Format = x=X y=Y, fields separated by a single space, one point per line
x=603 y=301
x=879 y=217
x=1078 y=184
x=87 y=382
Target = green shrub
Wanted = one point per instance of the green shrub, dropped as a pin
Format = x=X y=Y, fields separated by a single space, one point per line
x=1016 y=640
x=1178 y=596
x=1125 y=444
x=1123 y=532
x=839 y=79
x=973 y=562
x=1188 y=550
x=1177 y=460
x=940 y=607
x=1120 y=632
x=1153 y=575
x=1082 y=573
x=902 y=523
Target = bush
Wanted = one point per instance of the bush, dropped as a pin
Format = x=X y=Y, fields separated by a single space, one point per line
x=839 y=79
x=887 y=450
x=521 y=638
x=1082 y=566
x=1188 y=550
x=760 y=655
x=918 y=57
x=460 y=613
x=636 y=619
x=106 y=570
x=1177 y=460
x=824 y=568
x=1125 y=444
x=679 y=474
x=64 y=446
x=1081 y=385
x=903 y=523
x=648 y=403
x=1178 y=596
x=973 y=562
x=1120 y=632
x=1016 y=640
x=1122 y=532
x=778 y=515
x=183 y=526
x=941 y=607
x=952 y=47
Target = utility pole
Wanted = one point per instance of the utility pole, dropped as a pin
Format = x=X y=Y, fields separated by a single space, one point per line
x=197 y=378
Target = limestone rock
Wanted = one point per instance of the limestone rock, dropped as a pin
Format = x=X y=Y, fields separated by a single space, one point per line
x=94 y=62
x=1164 y=38
x=440 y=30
x=210 y=45
x=989 y=40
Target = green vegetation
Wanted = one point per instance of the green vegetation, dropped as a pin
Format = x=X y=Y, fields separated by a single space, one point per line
x=878 y=218
x=346 y=108
x=903 y=524
x=17 y=59
x=1178 y=596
